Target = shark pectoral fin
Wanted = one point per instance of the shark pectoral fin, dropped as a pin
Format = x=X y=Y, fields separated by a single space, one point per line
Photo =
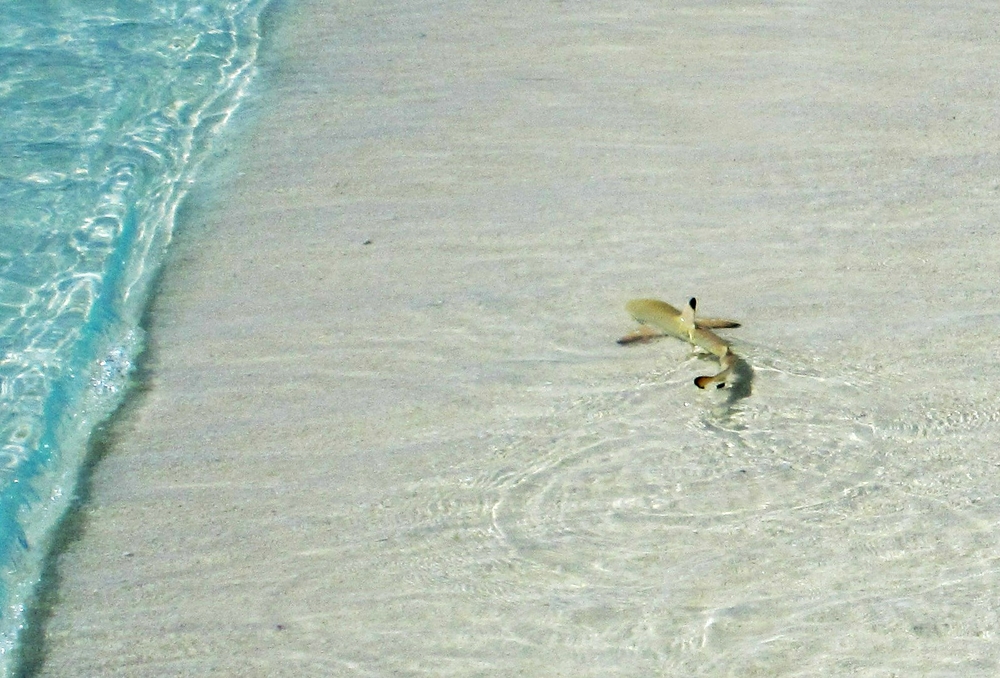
x=687 y=321
x=643 y=334
x=715 y=324
x=727 y=362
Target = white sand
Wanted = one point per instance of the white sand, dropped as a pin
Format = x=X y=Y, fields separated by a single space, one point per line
x=426 y=455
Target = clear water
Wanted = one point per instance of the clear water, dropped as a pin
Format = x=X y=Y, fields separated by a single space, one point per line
x=106 y=109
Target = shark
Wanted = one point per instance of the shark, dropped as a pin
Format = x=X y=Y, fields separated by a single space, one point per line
x=658 y=319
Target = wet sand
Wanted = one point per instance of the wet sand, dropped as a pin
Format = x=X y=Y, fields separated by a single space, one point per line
x=388 y=327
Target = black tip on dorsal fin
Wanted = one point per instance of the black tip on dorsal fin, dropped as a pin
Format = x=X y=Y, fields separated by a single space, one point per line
x=693 y=303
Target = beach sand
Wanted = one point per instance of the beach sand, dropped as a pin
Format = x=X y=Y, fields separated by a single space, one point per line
x=385 y=428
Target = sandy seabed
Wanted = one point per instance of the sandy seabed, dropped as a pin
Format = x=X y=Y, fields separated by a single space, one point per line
x=386 y=429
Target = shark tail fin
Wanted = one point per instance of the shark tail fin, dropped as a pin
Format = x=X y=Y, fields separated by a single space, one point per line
x=727 y=361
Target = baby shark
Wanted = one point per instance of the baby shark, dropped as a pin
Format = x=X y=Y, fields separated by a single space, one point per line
x=660 y=319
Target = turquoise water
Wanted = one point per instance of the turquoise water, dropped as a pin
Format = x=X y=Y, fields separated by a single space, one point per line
x=106 y=109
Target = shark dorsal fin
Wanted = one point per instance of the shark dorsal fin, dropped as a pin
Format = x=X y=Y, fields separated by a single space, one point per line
x=687 y=316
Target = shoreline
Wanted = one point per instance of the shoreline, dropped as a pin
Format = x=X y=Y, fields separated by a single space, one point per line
x=71 y=528
x=31 y=651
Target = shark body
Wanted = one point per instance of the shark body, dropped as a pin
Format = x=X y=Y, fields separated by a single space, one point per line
x=659 y=318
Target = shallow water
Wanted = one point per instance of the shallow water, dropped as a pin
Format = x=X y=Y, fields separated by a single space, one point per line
x=432 y=458
x=107 y=110
x=634 y=525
